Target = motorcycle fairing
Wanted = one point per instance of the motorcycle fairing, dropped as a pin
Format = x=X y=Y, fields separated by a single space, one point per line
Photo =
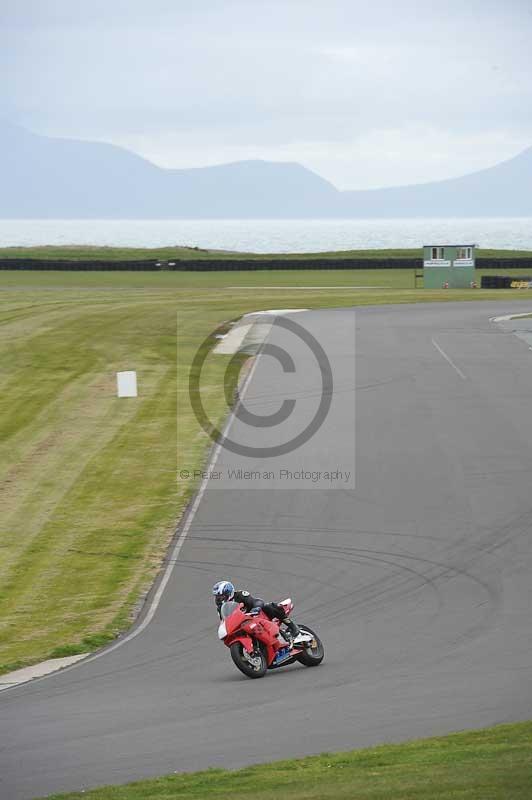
x=245 y=641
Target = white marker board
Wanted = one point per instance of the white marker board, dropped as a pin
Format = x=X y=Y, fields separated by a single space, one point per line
x=126 y=383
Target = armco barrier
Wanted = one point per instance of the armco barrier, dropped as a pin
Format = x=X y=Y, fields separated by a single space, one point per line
x=238 y=265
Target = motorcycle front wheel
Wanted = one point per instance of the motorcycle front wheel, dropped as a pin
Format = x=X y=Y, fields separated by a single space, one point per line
x=314 y=653
x=252 y=665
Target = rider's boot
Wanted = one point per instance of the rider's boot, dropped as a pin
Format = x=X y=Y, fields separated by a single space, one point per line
x=286 y=638
x=292 y=628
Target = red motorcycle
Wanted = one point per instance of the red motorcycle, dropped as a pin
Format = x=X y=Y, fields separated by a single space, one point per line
x=257 y=643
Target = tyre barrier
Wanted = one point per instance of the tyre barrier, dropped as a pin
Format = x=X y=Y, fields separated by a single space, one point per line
x=241 y=264
x=506 y=282
x=211 y=265
x=43 y=264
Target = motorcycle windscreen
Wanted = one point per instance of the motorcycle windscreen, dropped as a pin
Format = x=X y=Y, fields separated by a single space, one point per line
x=227 y=608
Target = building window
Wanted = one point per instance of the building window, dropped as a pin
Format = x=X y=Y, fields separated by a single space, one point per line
x=437 y=253
x=464 y=252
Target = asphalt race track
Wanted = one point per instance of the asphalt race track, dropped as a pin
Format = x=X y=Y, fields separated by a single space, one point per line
x=418 y=578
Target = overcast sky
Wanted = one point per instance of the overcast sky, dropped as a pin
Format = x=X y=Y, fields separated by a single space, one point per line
x=366 y=94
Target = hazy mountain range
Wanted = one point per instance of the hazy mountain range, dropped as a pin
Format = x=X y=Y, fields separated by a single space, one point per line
x=43 y=177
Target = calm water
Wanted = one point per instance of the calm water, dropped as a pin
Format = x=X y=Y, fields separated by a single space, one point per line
x=263 y=236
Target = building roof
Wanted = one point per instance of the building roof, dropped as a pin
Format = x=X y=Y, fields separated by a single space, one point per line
x=446 y=244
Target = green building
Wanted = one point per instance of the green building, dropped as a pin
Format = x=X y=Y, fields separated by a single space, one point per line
x=449 y=266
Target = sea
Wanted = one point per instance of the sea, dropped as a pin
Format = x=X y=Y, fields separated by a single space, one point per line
x=272 y=236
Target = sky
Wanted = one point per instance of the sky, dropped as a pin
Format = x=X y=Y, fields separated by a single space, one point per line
x=367 y=94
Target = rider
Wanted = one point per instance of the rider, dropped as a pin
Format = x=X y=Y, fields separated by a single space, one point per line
x=224 y=590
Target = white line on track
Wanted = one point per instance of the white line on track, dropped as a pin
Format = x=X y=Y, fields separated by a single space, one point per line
x=508 y=317
x=448 y=359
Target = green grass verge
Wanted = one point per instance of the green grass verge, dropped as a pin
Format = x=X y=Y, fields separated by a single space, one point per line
x=83 y=252
x=490 y=764
x=273 y=280
x=87 y=481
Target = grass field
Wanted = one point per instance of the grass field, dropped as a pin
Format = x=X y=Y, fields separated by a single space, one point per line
x=491 y=764
x=88 y=484
x=270 y=279
x=80 y=252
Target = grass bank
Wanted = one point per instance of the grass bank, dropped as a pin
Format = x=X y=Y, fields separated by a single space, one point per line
x=88 y=485
x=490 y=764
x=83 y=252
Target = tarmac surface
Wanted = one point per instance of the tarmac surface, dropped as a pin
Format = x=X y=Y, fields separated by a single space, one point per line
x=416 y=570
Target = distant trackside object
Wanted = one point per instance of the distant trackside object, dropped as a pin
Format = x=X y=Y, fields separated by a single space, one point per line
x=126 y=384
x=449 y=266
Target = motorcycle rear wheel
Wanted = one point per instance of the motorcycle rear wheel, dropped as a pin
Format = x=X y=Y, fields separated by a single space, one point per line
x=311 y=656
x=256 y=670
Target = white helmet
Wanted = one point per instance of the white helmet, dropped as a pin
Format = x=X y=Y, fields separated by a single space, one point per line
x=223 y=590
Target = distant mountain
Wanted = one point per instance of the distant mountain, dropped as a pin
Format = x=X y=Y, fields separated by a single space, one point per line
x=504 y=190
x=43 y=177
